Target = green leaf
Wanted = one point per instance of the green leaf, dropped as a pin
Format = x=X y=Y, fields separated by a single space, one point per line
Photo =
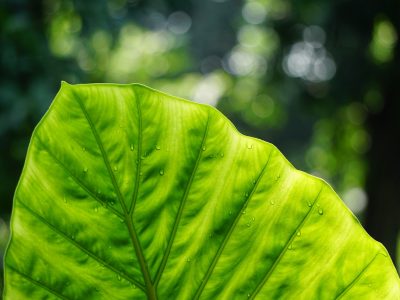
x=130 y=193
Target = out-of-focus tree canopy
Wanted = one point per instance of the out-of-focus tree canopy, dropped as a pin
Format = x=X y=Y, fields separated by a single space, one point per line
x=317 y=78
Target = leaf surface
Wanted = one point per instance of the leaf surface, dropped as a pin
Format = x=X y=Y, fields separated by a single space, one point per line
x=129 y=193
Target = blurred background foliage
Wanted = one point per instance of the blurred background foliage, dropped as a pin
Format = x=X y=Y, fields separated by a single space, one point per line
x=317 y=78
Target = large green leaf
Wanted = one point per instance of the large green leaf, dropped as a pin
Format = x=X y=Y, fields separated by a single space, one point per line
x=127 y=192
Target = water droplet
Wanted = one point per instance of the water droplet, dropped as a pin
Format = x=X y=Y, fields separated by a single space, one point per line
x=119 y=277
x=104 y=204
x=248 y=224
x=83 y=149
x=248 y=295
x=230 y=213
x=221 y=154
x=309 y=203
x=254 y=182
x=140 y=173
x=204 y=148
x=317 y=204
x=96 y=209
x=112 y=202
x=298 y=233
x=143 y=157
x=246 y=194
x=253 y=219
x=161 y=172
x=244 y=212
x=115 y=168
x=188 y=259
x=290 y=247
x=158 y=147
x=134 y=286
x=132 y=147
x=121 y=220
x=109 y=247
x=65 y=200
x=249 y=146
x=73 y=237
x=85 y=170
x=272 y=202
x=320 y=211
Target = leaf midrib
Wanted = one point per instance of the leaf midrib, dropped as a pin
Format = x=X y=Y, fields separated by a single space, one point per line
x=150 y=290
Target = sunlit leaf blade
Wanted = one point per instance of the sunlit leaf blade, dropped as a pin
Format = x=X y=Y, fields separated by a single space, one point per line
x=129 y=193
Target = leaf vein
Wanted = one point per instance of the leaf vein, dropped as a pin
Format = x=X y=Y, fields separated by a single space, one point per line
x=37 y=283
x=285 y=248
x=181 y=206
x=77 y=180
x=83 y=249
x=355 y=280
x=230 y=231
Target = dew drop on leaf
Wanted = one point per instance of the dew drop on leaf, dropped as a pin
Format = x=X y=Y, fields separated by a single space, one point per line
x=132 y=147
x=85 y=170
x=112 y=202
x=272 y=202
x=244 y=212
x=253 y=219
x=248 y=224
x=221 y=154
x=158 y=147
x=309 y=204
x=249 y=146
x=161 y=172
x=83 y=149
x=320 y=211
x=298 y=233
x=290 y=247
x=204 y=148
x=96 y=209
x=115 y=168
x=188 y=259
x=65 y=199
x=119 y=277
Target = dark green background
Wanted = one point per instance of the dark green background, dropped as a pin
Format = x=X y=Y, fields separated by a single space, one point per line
x=319 y=79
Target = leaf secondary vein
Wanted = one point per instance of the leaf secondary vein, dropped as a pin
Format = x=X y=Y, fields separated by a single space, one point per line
x=150 y=290
x=37 y=283
x=78 y=181
x=81 y=248
x=230 y=231
x=285 y=248
x=181 y=207
x=355 y=280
